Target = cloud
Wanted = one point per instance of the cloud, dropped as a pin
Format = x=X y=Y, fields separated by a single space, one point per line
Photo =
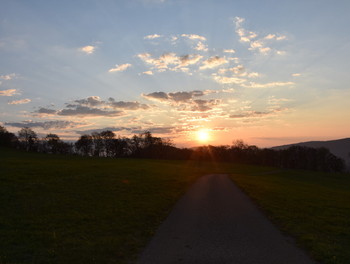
x=120 y=68
x=229 y=51
x=170 y=61
x=94 y=101
x=228 y=80
x=90 y=101
x=9 y=92
x=161 y=96
x=154 y=36
x=213 y=62
x=127 y=105
x=88 y=49
x=255 y=43
x=88 y=111
x=275 y=37
x=201 y=46
x=281 y=52
x=94 y=106
x=8 y=77
x=173 y=97
x=265 y=50
x=184 y=101
x=245 y=36
x=267 y=85
x=194 y=37
x=46 y=125
x=190 y=59
x=98 y=130
x=204 y=105
x=148 y=73
x=23 y=101
x=43 y=110
x=239 y=70
x=155 y=130
x=257 y=114
x=296 y=74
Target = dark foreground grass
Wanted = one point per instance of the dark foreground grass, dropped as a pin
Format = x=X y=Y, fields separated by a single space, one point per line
x=312 y=207
x=57 y=209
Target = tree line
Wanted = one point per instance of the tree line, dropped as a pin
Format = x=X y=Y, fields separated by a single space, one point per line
x=145 y=145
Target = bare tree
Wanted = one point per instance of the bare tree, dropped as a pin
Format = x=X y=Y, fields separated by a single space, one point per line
x=28 y=139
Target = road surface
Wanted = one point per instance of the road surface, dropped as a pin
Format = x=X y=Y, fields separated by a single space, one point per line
x=215 y=222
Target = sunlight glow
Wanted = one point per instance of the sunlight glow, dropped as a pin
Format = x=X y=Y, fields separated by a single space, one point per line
x=203 y=135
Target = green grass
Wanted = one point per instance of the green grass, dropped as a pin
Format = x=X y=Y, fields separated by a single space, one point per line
x=57 y=209
x=313 y=207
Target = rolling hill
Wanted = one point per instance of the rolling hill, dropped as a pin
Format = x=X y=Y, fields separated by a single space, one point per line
x=339 y=147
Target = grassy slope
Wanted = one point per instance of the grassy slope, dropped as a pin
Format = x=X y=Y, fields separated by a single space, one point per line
x=57 y=209
x=313 y=207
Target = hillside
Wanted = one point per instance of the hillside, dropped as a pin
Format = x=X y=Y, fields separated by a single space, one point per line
x=339 y=147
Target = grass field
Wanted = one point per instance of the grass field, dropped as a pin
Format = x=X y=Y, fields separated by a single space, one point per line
x=57 y=209
x=313 y=207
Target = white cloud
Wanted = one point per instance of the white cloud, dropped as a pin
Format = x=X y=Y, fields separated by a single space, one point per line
x=275 y=37
x=88 y=49
x=255 y=43
x=281 y=38
x=201 y=46
x=229 y=51
x=119 y=68
x=194 y=37
x=9 y=92
x=228 y=80
x=270 y=36
x=245 y=36
x=23 y=101
x=267 y=85
x=296 y=74
x=264 y=50
x=154 y=36
x=239 y=70
x=170 y=61
x=8 y=77
x=281 y=52
x=213 y=62
x=148 y=72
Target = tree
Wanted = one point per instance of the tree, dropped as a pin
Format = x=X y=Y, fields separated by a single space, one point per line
x=55 y=145
x=85 y=145
x=28 y=139
x=97 y=144
x=108 y=138
x=7 y=139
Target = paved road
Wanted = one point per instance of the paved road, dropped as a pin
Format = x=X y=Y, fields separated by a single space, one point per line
x=215 y=222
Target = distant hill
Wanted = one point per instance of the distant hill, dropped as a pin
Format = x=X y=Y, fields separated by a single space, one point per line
x=339 y=147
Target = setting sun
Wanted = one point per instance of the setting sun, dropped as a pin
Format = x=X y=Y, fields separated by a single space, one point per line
x=203 y=135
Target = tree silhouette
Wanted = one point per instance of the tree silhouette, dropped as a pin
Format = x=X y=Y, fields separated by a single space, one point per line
x=28 y=139
x=7 y=139
x=108 y=142
x=84 y=145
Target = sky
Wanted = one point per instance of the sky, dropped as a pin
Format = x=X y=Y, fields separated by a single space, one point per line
x=193 y=71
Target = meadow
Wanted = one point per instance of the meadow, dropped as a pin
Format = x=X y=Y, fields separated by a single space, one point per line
x=70 y=209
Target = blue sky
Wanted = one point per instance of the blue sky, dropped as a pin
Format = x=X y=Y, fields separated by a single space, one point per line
x=267 y=72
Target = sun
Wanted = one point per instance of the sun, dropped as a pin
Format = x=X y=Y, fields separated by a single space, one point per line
x=203 y=135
